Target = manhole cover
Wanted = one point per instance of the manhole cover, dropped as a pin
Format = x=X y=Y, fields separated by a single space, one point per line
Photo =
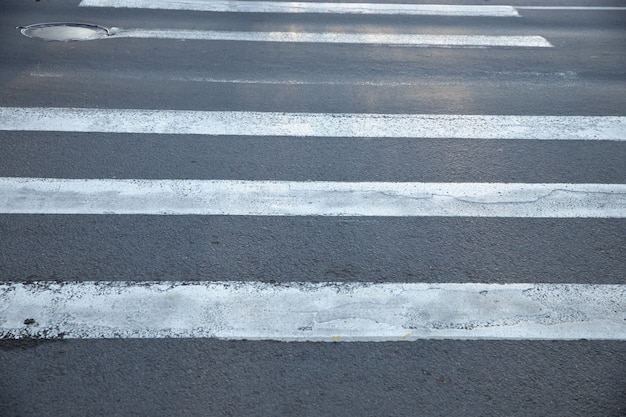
x=64 y=31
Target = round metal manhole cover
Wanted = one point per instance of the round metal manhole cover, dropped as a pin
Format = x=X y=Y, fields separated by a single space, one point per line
x=64 y=32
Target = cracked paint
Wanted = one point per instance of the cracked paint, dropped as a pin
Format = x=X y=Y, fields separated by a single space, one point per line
x=312 y=311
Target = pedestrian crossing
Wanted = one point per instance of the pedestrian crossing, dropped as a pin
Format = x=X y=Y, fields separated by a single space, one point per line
x=412 y=40
x=301 y=310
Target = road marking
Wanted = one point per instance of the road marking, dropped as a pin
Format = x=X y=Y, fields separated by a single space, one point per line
x=475 y=41
x=314 y=198
x=300 y=311
x=233 y=6
x=341 y=38
x=313 y=124
x=503 y=77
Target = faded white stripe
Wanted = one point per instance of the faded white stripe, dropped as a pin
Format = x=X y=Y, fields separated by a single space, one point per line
x=313 y=124
x=312 y=312
x=343 y=38
x=233 y=6
x=291 y=198
x=504 y=77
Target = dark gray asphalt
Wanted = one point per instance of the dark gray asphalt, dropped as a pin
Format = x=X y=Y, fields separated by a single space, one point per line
x=212 y=378
x=584 y=74
x=312 y=249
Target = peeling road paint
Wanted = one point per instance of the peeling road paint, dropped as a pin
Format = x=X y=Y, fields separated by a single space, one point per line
x=311 y=311
x=339 y=125
x=309 y=198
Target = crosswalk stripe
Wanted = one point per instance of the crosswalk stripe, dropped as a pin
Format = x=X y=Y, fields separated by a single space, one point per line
x=335 y=79
x=233 y=6
x=312 y=312
x=292 y=198
x=313 y=124
x=335 y=37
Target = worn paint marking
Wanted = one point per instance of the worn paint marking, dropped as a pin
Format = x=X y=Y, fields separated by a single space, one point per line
x=476 y=41
x=512 y=78
x=237 y=123
x=312 y=311
x=234 y=6
x=309 y=198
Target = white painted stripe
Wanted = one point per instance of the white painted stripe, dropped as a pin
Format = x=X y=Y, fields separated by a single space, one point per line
x=291 y=198
x=312 y=312
x=313 y=124
x=341 y=38
x=344 y=38
x=233 y=6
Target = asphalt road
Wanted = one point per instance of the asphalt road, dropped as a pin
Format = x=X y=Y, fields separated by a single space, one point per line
x=583 y=74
